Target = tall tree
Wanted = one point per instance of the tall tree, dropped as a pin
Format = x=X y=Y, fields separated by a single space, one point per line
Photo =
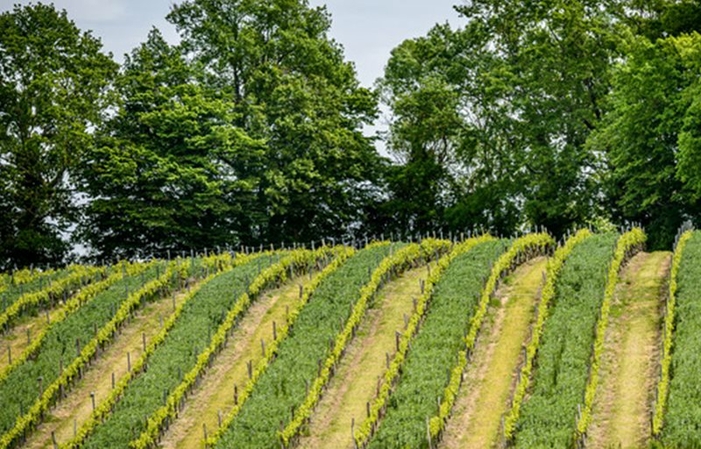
x=53 y=91
x=293 y=90
x=650 y=136
x=168 y=162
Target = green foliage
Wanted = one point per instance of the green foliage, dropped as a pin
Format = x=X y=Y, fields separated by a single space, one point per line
x=176 y=354
x=391 y=266
x=682 y=420
x=438 y=342
x=293 y=91
x=559 y=381
x=299 y=357
x=53 y=81
x=555 y=264
x=666 y=363
x=67 y=343
x=163 y=172
x=650 y=179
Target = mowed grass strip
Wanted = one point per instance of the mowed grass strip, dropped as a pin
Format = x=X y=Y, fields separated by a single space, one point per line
x=175 y=355
x=365 y=361
x=435 y=348
x=549 y=416
x=75 y=409
x=621 y=413
x=489 y=379
x=215 y=395
x=283 y=385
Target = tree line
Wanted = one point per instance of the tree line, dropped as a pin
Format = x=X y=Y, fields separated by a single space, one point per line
x=553 y=113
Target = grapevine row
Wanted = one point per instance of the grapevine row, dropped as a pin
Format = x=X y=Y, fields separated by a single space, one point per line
x=50 y=355
x=170 y=354
x=295 y=261
x=554 y=266
x=393 y=265
x=549 y=417
x=364 y=432
x=341 y=255
x=529 y=245
x=628 y=244
x=286 y=381
x=53 y=290
x=85 y=294
x=663 y=384
x=682 y=417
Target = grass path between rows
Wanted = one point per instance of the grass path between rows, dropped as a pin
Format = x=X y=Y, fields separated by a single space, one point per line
x=484 y=395
x=365 y=361
x=76 y=408
x=15 y=341
x=215 y=394
x=622 y=406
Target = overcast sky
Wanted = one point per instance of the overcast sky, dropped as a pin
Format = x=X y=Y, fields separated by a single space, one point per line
x=367 y=29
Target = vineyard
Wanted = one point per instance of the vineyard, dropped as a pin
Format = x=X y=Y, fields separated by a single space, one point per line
x=470 y=342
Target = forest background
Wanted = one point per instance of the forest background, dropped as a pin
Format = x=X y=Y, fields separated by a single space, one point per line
x=249 y=131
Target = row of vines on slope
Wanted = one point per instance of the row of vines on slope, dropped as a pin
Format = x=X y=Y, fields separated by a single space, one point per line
x=446 y=297
x=74 y=341
x=96 y=323
x=73 y=279
x=170 y=355
x=529 y=246
x=668 y=334
x=681 y=427
x=286 y=381
x=628 y=245
x=22 y=277
x=220 y=264
x=342 y=254
x=397 y=263
x=85 y=295
x=548 y=417
x=295 y=262
x=555 y=264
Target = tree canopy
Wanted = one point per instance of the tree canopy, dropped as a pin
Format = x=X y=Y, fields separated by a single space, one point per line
x=249 y=130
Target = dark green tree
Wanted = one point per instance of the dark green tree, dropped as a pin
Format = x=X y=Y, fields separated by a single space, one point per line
x=53 y=85
x=650 y=136
x=169 y=167
x=293 y=90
